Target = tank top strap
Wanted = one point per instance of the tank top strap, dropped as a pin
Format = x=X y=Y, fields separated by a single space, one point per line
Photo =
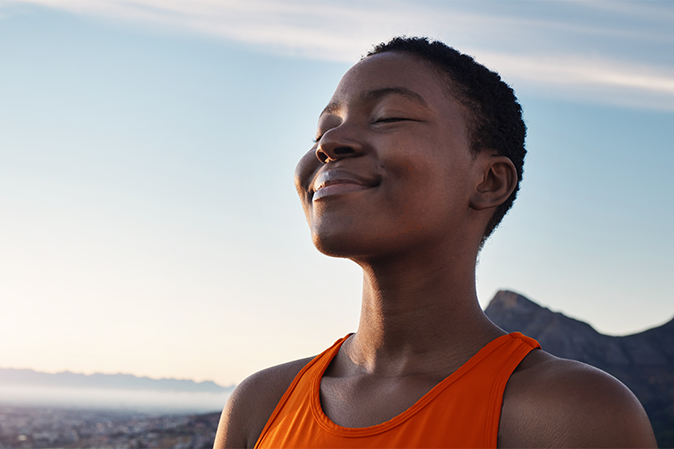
x=463 y=410
x=319 y=363
x=520 y=346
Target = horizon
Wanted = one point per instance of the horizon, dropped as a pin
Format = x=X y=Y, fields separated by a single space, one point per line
x=149 y=221
x=206 y=381
x=231 y=386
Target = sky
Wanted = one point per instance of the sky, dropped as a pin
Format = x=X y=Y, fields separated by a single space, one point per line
x=148 y=219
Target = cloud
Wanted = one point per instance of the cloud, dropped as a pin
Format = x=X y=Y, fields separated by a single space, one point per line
x=548 y=49
x=589 y=79
x=328 y=31
x=652 y=11
x=569 y=70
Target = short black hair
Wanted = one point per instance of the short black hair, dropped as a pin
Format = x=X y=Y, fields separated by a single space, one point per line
x=496 y=123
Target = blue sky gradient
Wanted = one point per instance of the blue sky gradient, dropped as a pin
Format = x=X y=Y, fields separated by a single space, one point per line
x=148 y=220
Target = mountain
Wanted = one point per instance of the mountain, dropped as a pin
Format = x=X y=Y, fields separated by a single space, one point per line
x=30 y=378
x=644 y=361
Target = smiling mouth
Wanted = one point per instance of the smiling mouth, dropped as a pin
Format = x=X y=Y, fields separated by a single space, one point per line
x=339 y=182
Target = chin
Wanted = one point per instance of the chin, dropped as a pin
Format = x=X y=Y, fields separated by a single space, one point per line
x=354 y=245
x=334 y=246
x=342 y=244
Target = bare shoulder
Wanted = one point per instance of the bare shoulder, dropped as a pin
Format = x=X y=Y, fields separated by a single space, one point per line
x=553 y=402
x=251 y=404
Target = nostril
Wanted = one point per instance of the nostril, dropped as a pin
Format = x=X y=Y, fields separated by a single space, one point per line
x=327 y=153
x=322 y=157
x=341 y=151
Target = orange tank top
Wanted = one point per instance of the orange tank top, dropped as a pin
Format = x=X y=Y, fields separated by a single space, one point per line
x=461 y=411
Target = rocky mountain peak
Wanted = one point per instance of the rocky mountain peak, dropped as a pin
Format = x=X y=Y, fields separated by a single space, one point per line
x=643 y=361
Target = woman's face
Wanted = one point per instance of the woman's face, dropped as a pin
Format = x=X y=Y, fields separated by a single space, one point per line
x=391 y=170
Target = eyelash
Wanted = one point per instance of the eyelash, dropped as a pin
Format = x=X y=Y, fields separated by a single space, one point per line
x=389 y=119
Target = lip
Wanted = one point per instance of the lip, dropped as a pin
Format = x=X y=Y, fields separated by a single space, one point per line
x=339 y=182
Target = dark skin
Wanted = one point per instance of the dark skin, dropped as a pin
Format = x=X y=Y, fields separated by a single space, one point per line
x=392 y=185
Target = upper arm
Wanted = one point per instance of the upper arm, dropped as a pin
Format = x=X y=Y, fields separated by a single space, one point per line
x=562 y=403
x=251 y=404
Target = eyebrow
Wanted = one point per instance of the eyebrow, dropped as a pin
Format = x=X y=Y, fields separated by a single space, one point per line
x=378 y=94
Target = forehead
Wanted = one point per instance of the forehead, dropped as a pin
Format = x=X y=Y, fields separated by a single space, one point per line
x=393 y=72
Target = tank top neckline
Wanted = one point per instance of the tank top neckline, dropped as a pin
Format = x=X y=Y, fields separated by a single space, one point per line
x=330 y=426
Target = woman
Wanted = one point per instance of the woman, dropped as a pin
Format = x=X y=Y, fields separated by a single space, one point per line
x=418 y=157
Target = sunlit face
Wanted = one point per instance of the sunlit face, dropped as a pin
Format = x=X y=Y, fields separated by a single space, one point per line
x=391 y=170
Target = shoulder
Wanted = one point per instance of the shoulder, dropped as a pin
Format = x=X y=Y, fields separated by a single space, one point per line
x=553 y=402
x=252 y=402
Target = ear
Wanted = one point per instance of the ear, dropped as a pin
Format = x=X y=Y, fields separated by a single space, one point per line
x=498 y=180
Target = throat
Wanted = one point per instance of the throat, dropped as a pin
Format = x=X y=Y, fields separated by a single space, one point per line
x=367 y=400
x=355 y=394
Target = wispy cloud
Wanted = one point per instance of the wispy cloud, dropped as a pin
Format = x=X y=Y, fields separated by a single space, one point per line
x=591 y=79
x=324 y=30
x=651 y=11
x=569 y=35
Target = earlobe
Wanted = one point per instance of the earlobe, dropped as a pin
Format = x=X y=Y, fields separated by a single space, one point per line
x=499 y=178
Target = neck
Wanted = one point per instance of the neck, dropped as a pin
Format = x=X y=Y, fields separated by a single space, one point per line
x=413 y=310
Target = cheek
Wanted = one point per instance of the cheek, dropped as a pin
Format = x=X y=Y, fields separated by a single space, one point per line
x=304 y=173
x=306 y=167
x=305 y=170
x=428 y=191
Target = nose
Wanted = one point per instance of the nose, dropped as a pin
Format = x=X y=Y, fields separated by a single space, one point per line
x=338 y=143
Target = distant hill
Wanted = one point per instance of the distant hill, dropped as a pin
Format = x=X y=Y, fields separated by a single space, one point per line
x=29 y=377
x=644 y=361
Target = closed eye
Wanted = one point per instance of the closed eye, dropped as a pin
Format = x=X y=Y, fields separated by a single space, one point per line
x=390 y=119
